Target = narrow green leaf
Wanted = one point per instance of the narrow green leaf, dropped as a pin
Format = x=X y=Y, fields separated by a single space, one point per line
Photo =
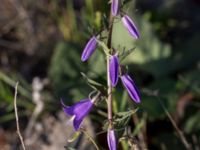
x=93 y=84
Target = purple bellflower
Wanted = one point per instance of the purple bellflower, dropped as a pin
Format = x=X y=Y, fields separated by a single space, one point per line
x=78 y=111
x=111 y=139
x=130 y=26
x=89 y=48
x=131 y=88
x=114 y=70
x=115 y=7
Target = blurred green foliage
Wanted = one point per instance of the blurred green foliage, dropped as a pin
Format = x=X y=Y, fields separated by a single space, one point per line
x=6 y=96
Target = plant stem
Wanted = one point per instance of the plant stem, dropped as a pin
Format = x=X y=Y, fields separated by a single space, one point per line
x=109 y=99
x=109 y=92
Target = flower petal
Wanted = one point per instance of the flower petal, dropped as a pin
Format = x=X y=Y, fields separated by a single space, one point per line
x=77 y=122
x=78 y=111
x=89 y=48
x=111 y=140
x=115 y=7
x=82 y=108
x=74 y=109
x=131 y=88
x=67 y=109
x=130 y=26
x=114 y=69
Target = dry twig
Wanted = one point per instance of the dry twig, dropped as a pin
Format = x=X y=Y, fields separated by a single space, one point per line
x=17 y=119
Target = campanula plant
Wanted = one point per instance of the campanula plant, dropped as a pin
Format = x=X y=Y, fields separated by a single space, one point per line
x=81 y=109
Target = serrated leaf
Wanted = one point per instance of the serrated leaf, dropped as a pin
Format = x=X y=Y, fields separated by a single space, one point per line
x=121 y=119
x=126 y=113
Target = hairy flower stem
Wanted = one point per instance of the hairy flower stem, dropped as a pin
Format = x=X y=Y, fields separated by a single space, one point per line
x=109 y=92
x=109 y=99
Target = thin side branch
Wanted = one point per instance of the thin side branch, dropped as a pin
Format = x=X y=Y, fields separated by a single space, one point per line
x=17 y=119
x=178 y=130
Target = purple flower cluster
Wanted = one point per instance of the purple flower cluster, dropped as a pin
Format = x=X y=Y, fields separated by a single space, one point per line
x=81 y=109
x=113 y=70
x=126 y=79
x=114 y=62
x=126 y=20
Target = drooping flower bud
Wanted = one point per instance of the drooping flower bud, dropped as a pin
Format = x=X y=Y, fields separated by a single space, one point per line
x=111 y=139
x=115 y=7
x=89 y=48
x=78 y=111
x=130 y=26
x=114 y=70
x=131 y=88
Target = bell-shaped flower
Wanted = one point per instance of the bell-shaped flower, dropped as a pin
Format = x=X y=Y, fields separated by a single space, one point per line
x=111 y=139
x=130 y=26
x=89 y=48
x=115 y=7
x=131 y=88
x=114 y=70
x=78 y=111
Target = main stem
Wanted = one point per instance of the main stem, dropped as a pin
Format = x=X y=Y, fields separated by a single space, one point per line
x=109 y=92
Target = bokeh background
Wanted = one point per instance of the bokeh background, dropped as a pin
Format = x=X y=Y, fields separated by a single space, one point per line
x=40 y=46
